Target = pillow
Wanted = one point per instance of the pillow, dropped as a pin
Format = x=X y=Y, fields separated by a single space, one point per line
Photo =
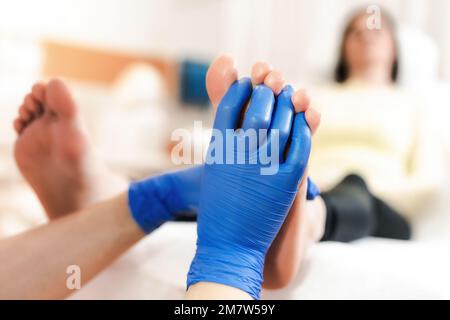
x=419 y=57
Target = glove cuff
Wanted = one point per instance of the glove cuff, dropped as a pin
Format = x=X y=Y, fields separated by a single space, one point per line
x=147 y=203
x=312 y=190
x=241 y=270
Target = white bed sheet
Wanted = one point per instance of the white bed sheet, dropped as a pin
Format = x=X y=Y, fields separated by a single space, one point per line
x=370 y=269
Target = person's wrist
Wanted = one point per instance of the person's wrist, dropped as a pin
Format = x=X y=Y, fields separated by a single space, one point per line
x=126 y=225
x=215 y=291
x=163 y=198
x=232 y=266
x=147 y=201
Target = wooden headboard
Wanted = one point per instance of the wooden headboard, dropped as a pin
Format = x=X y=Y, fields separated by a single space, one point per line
x=98 y=66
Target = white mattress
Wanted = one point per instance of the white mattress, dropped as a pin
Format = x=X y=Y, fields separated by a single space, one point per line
x=371 y=269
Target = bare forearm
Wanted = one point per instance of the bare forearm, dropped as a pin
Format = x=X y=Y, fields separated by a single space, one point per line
x=215 y=291
x=34 y=264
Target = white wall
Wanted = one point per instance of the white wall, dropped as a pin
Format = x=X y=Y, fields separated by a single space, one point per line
x=171 y=26
x=298 y=36
x=301 y=36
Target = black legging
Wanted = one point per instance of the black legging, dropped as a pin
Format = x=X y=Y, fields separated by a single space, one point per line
x=354 y=213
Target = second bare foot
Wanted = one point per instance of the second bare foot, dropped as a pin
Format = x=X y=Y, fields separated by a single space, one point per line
x=54 y=154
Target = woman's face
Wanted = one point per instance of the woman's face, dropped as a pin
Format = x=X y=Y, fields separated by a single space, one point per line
x=365 y=48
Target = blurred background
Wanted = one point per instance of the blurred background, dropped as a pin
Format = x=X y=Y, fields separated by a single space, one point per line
x=137 y=70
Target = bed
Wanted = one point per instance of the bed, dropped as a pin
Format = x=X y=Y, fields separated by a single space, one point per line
x=368 y=269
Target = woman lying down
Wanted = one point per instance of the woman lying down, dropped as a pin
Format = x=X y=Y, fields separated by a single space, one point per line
x=251 y=226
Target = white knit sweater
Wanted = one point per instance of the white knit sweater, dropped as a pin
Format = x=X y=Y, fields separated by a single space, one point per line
x=382 y=134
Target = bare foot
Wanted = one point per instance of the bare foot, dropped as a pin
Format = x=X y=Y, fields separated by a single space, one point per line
x=223 y=73
x=54 y=154
x=303 y=225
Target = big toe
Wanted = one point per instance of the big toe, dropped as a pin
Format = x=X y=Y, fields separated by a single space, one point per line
x=59 y=100
x=221 y=75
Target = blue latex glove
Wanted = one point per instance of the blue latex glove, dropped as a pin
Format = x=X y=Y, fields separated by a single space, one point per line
x=160 y=199
x=242 y=211
x=171 y=196
x=313 y=190
x=167 y=197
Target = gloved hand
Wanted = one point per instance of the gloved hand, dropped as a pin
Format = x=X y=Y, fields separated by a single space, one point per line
x=160 y=199
x=173 y=196
x=241 y=210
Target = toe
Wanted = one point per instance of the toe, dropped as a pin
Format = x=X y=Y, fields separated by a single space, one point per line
x=260 y=71
x=24 y=114
x=32 y=105
x=19 y=125
x=221 y=75
x=59 y=100
x=313 y=117
x=38 y=92
x=301 y=101
x=275 y=80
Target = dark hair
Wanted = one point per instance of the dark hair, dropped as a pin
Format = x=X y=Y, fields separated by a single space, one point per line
x=342 y=71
